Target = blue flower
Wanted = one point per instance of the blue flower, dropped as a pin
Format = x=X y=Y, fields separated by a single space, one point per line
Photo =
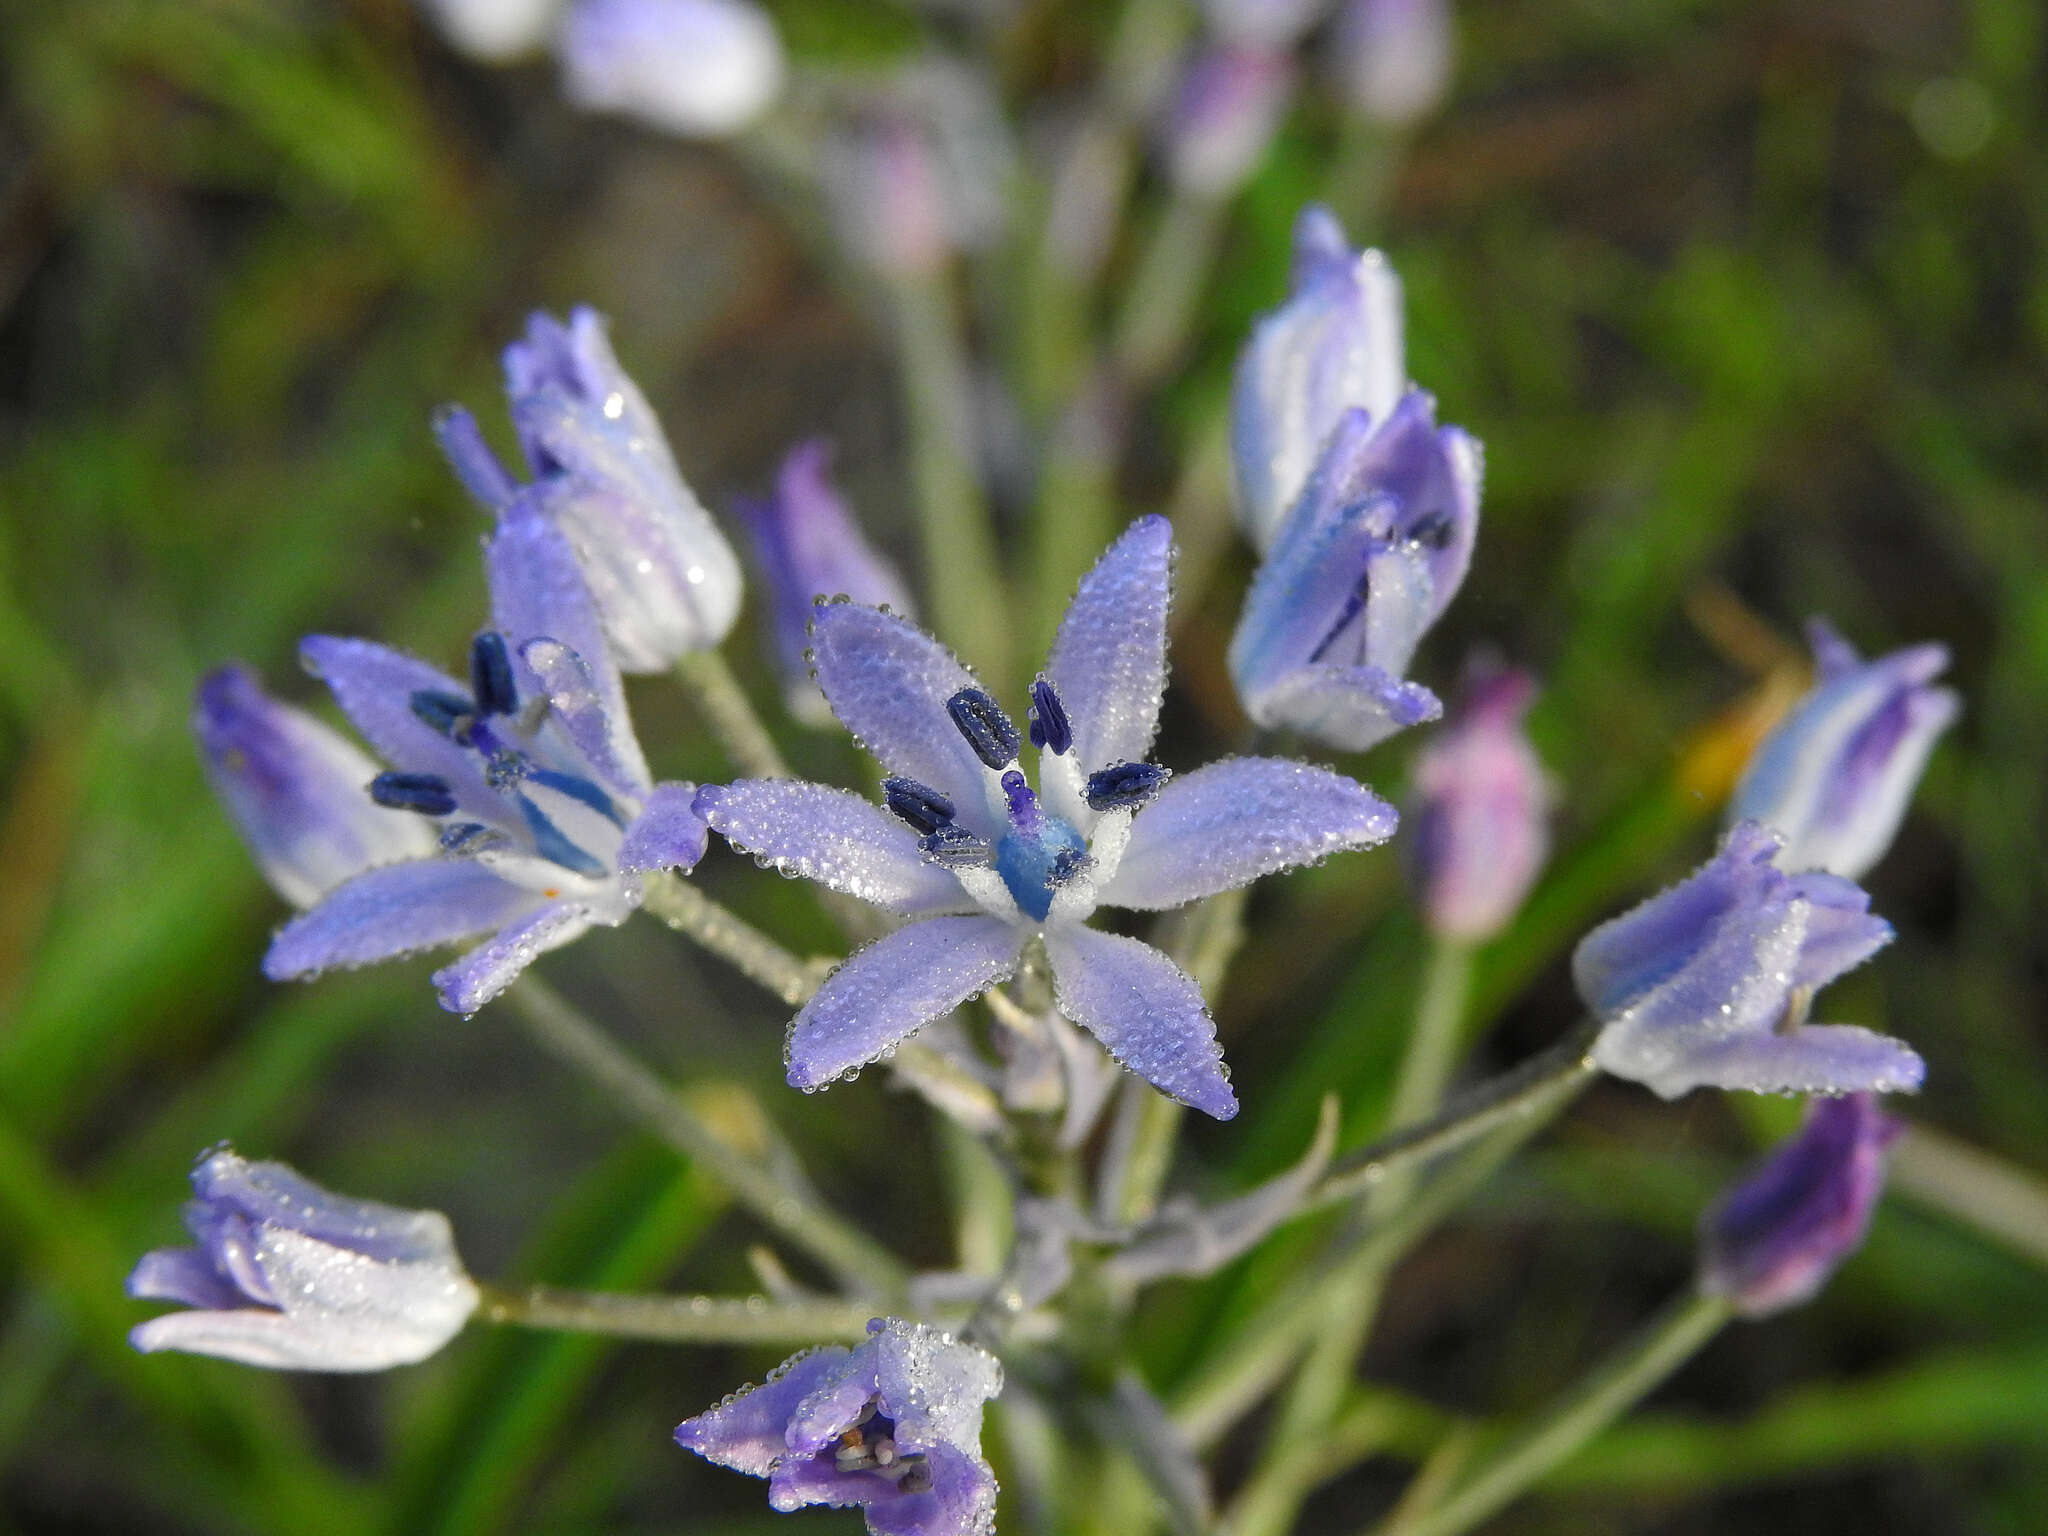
x=1835 y=777
x=289 y=1276
x=1774 y=1239
x=546 y=816
x=1376 y=546
x=1707 y=984
x=665 y=580
x=892 y=1425
x=295 y=790
x=809 y=546
x=697 y=68
x=986 y=866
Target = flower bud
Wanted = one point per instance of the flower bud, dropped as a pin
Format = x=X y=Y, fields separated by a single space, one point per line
x=696 y=68
x=1835 y=777
x=808 y=546
x=297 y=790
x=290 y=1276
x=1481 y=819
x=1333 y=346
x=665 y=579
x=1224 y=115
x=1774 y=1239
x=494 y=31
x=1271 y=25
x=1393 y=58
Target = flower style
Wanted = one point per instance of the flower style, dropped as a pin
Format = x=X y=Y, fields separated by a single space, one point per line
x=1481 y=831
x=985 y=866
x=892 y=1425
x=1375 y=548
x=808 y=545
x=664 y=578
x=1774 y=1239
x=294 y=789
x=1836 y=775
x=1333 y=346
x=1708 y=983
x=695 y=68
x=547 y=818
x=290 y=1276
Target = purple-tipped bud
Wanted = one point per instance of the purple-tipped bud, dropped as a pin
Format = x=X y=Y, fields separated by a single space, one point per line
x=1774 y=1239
x=807 y=545
x=290 y=1276
x=888 y=196
x=1224 y=115
x=696 y=68
x=1707 y=984
x=494 y=31
x=1482 y=813
x=1836 y=775
x=1332 y=347
x=296 y=790
x=664 y=578
x=1393 y=58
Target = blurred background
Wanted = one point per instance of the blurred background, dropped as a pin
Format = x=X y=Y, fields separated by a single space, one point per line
x=1744 y=299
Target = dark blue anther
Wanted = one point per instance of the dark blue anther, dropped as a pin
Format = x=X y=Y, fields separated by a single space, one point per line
x=581 y=790
x=988 y=730
x=442 y=711
x=466 y=837
x=919 y=804
x=427 y=793
x=1049 y=727
x=1124 y=786
x=1066 y=865
x=490 y=675
x=955 y=847
x=504 y=767
x=551 y=844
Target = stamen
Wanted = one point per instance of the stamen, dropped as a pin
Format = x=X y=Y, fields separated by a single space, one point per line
x=919 y=804
x=987 y=729
x=552 y=844
x=427 y=793
x=1023 y=805
x=1068 y=865
x=1050 y=729
x=442 y=711
x=1124 y=786
x=954 y=847
x=467 y=837
x=505 y=766
x=490 y=675
x=580 y=790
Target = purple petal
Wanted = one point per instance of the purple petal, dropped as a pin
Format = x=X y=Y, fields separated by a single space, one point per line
x=1434 y=477
x=960 y=1502
x=274 y=1193
x=1814 y=1058
x=1229 y=823
x=395 y=911
x=580 y=709
x=1109 y=659
x=884 y=993
x=932 y=1385
x=667 y=834
x=1840 y=932
x=1147 y=1012
x=832 y=836
x=494 y=965
x=888 y=682
x=182 y=1274
x=745 y=1432
x=374 y=686
x=259 y=1337
x=1349 y=708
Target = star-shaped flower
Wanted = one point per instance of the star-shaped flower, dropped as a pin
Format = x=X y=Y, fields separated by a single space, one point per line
x=985 y=865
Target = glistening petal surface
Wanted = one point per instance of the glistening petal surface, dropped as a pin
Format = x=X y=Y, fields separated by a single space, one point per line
x=746 y=1431
x=832 y=836
x=395 y=911
x=667 y=834
x=1109 y=659
x=374 y=686
x=1147 y=1012
x=469 y=983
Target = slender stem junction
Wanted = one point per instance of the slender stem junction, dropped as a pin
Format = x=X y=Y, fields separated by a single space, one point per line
x=678 y=1319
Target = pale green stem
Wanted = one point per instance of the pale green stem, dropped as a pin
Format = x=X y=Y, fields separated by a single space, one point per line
x=731 y=715
x=964 y=580
x=1152 y=329
x=1553 y=1433
x=2005 y=1203
x=687 y=910
x=1362 y=174
x=788 y=1207
x=1432 y=1054
x=678 y=1319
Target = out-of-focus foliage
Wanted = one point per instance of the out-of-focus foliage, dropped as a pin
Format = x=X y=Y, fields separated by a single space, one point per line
x=1748 y=303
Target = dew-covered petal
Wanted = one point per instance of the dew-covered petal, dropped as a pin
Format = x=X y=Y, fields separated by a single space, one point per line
x=494 y=965
x=183 y=1274
x=374 y=686
x=1147 y=1012
x=1108 y=661
x=745 y=1432
x=888 y=682
x=932 y=1385
x=832 y=836
x=883 y=993
x=667 y=834
x=1229 y=823
x=261 y=1337
x=577 y=706
x=1349 y=708
x=960 y=1502
x=1841 y=931
x=1814 y=1058
x=271 y=1192
x=412 y=1305
x=394 y=911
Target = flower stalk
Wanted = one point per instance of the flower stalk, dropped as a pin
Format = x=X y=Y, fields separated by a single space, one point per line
x=730 y=714
x=686 y=909
x=678 y=1319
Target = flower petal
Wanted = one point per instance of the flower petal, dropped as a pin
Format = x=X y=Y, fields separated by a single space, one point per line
x=374 y=686
x=1814 y=1058
x=1147 y=1012
x=885 y=992
x=494 y=965
x=1229 y=823
x=261 y=1337
x=1109 y=659
x=579 y=709
x=888 y=682
x=960 y=1502
x=745 y=1432
x=182 y=1274
x=394 y=911
x=276 y=1193
x=834 y=837
x=667 y=834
